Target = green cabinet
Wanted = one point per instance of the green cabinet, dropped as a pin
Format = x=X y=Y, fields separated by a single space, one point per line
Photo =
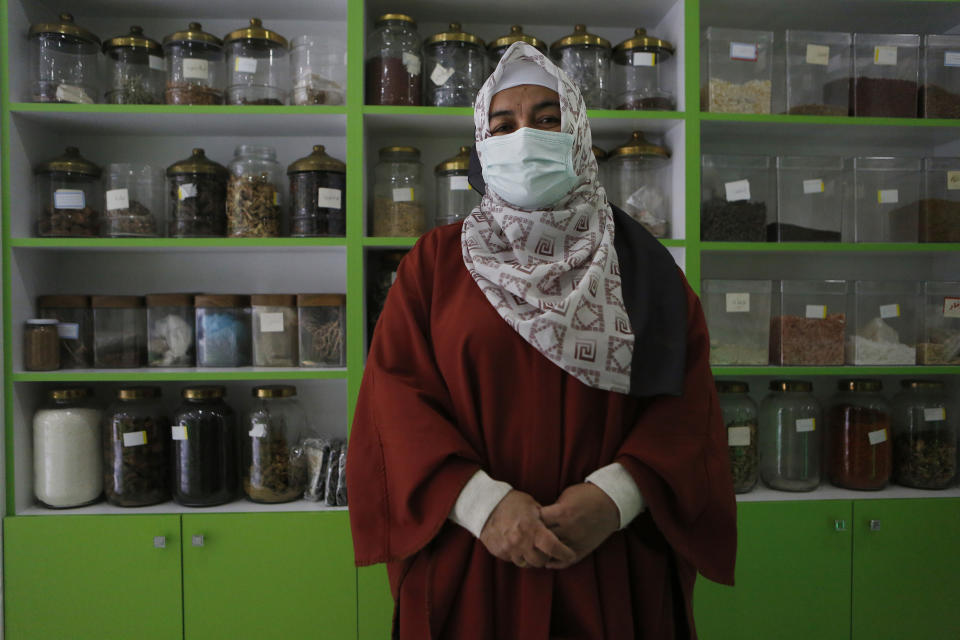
x=375 y=603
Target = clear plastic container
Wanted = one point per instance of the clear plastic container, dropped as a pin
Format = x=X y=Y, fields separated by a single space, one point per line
x=258 y=66
x=275 y=330
x=64 y=62
x=739 y=71
x=323 y=329
x=639 y=181
x=317 y=186
x=319 y=68
x=939 y=213
x=170 y=330
x=136 y=73
x=940 y=336
x=394 y=63
x=887 y=67
x=819 y=73
x=586 y=59
x=738 y=198
x=67 y=455
x=136 y=432
x=41 y=345
x=637 y=74
x=738 y=318
x=133 y=194
x=223 y=330
x=886 y=199
x=924 y=435
x=255 y=193
x=456 y=199
x=499 y=46
x=274 y=461
x=885 y=324
x=456 y=67
x=859 y=450
x=194 y=60
x=119 y=332
x=740 y=418
x=398 y=209
x=197 y=192
x=809 y=323
x=810 y=199
x=75 y=328
x=940 y=88
x=790 y=426
x=68 y=196
x=204 y=458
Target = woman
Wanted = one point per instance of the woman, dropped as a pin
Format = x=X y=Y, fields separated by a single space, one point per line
x=537 y=450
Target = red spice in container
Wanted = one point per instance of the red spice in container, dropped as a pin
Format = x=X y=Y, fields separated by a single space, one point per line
x=859 y=450
x=795 y=340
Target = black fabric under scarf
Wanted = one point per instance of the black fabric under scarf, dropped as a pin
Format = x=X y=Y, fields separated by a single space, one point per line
x=654 y=296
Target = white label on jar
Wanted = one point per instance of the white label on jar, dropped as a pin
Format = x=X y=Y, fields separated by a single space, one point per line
x=195 y=68
x=178 y=432
x=644 y=59
x=69 y=199
x=271 y=322
x=329 y=198
x=817 y=311
x=951 y=58
x=738 y=437
x=393 y=278
x=70 y=93
x=245 y=65
x=738 y=303
x=951 y=307
x=118 y=199
x=737 y=190
x=412 y=62
x=440 y=74
x=806 y=425
x=185 y=191
x=156 y=63
x=818 y=54
x=934 y=414
x=459 y=183
x=889 y=311
x=953 y=180
x=68 y=330
x=403 y=194
x=135 y=439
x=743 y=51
x=813 y=186
x=878 y=436
x=885 y=55
x=258 y=430
x=888 y=196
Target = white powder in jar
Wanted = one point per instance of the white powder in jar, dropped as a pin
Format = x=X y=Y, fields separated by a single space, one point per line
x=67 y=459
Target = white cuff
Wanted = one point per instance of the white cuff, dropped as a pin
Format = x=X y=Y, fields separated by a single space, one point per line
x=479 y=497
x=615 y=481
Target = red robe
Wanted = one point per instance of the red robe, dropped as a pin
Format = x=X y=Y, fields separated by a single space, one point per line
x=450 y=388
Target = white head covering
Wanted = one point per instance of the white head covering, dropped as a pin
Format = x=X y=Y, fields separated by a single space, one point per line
x=553 y=275
x=525 y=72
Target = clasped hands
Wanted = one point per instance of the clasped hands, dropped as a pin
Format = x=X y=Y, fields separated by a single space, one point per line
x=557 y=536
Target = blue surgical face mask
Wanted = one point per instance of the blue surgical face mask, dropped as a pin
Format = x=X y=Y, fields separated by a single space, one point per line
x=529 y=168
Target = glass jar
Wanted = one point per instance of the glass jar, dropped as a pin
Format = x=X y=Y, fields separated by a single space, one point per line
x=254 y=207
x=637 y=74
x=586 y=59
x=197 y=192
x=67 y=460
x=810 y=200
x=809 y=324
x=323 y=329
x=68 y=196
x=194 y=60
x=859 y=453
x=317 y=185
x=41 y=345
x=885 y=323
x=940 y=337
x=170 y=337
x=739 y=71
x=738 y=198
x=498 y=47
x=819 y=73
x=257 y=66
x=940 y=77
x=75 y=328
x=135 y=455
x=790 y=441
x=394 y=62
x=886 y=198
x=455 y=197
x=383 y=273
x=119 y=332
x=603 y=173
x=274 y=463
x=64 y=60
x=223 y=330
x=319 y=67
x=886 y=68
x=940 y=206
x=275 y=331
x=204 y=434
x=456 y=67
x=398 y=209
x=134 y=201
x=738 y=317
x=135 y=69
x=740 y=418
x=640 y=183
x=924 y=436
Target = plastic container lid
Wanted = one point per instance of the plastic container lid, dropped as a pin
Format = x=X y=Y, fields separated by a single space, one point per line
x=193 y=33
x=256 y=31
x=134 y=40
x=517 y=35
x=65 y=27
x=579 y=38
x=42 y=322
x=116 y=302
x=455 y=34
x=321 y=300
x=196 y=163
x=70 y=162
x=317 y=161
x=273 y=300
x=169 y=300
x=221 y=301
x=66 y=302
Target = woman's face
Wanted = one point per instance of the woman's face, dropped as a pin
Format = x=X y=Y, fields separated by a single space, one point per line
x=526 y=105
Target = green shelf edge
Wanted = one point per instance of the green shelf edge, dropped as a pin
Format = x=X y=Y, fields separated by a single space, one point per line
x=827 y=120
x=468 y=112
x=187 y=375
x=840 y=370
x=34 y=107
x=173 y=243
x=834 y=247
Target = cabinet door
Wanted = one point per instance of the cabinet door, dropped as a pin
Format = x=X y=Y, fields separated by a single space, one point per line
x=374 y=603
x=99 y=577
x=268 y=575
x=906 y=569
x=793 y=575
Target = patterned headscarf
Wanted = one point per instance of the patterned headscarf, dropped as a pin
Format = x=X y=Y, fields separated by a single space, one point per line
x=553 y=275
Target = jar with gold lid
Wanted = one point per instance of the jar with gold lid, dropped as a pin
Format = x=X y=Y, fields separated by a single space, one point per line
x=64 y=60
x=257 y=65
x=398 y=209
x=68 y=196
x=924 y=435
x=637 y=75
x=194 y=61
x=135 y=456
x=317 y=188
x=135 y=69
x=197 y=193
x=67 y=460
x=394 y=62
x=585 y=57
x=203 y=433
x=455 y=68
x=274 y=466
x=499 y=46
x=740 y=419
x=41 y=345
x=455 y=197
x=639 y=181
x=790 y=424
x=859 y=450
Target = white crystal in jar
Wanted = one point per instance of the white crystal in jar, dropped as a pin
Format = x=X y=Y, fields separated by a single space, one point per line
x=67 y=459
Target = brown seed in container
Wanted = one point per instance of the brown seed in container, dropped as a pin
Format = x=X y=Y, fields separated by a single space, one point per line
x=805 y=341
x=192 y=93
x=398 y=219
x=136 y=220
x=70 y=223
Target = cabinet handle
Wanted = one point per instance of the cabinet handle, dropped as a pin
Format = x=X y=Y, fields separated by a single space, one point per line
x=839 y=525
x=198 y=540
x=160 y=542
x=874 y=525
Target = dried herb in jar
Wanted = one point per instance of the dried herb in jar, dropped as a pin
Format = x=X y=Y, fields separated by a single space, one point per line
x=69 y=222
x=253 y=207
x=192 y=93
x=741 y=221
x=388 y=82
x=744 y=460
x=937 y=102
x=135 y=91
x=855 y=461
x=398 y=219
x=322 y=343
x=925 y=459
x=135 y=475
x=277 y=471
x=136 y=220
x=198 y=210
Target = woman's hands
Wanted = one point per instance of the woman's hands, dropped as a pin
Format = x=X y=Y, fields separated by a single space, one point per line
x=515 y=533
x=582 y=518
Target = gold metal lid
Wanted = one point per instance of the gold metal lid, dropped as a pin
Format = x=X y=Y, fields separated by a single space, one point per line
x=70 y=162
x=65 y=27
x=138 y=393
x=71 y=393
x=169 y=300
x=256 y=32
x=116 y=302
x=203 y=393
x=321 y=300
x=317 y=161
x=859 y=385
x=459 y=162
x=517 y=35
x=455 y=34
x=638 y=146
x=731 y=386
x=275 y=391
x=922 y=384
x=802 y=386
x=402 y=17
x=63 y=302
x=134 y=40
x=193 y=33
x=599 y=153
x=579 y=38
x=642 y=42
x=197 y=163
x=385 y=151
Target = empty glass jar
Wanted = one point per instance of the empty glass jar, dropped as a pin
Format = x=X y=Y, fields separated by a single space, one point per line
x=223 y=330
x=274 y=330
x=323 y=329
x=135 y=69
x=274 y=462
x=133 y=196
x=790 y=442
x=924 y=435
x=63 y=62
x=68 y=196
x=859 y=453
x=317 y=187
x=67 y=458
x=135 y=456
x=319 y=68
x=498 y=47
x=197 y=192
x=394 y=62
x=637 y=75
x=204 y=459
x=194 y=60
x=398 y=209
x=586 y=59
x=455 y=197
x=638 y=175
x=257 y=66
x=74 y=326
x=456 y=67
x=170 y=336
x=119 y=332
x=740 y=418
x=254 y=192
